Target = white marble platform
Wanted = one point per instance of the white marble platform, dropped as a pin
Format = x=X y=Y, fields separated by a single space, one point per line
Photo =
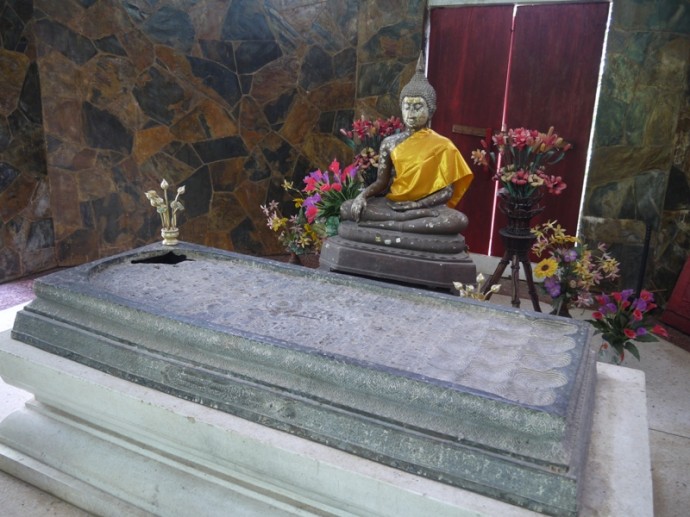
x=119 y=447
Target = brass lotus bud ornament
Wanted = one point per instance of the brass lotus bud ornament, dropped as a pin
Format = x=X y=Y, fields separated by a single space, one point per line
x=167 y=210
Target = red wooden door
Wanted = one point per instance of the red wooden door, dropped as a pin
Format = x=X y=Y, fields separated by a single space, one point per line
x=555 y=57
x=468 y=62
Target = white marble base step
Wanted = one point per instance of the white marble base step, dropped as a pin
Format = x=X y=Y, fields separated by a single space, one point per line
x=113 y=447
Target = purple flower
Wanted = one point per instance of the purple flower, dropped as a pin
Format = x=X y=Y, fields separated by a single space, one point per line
x=626 y=293
x=641 y=331
x=640 y=305
x=608 y=308
x=312 y=200
x=552 y=286
x=570 y=255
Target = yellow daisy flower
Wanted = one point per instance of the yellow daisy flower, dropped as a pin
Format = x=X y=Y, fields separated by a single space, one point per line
x=546 y=268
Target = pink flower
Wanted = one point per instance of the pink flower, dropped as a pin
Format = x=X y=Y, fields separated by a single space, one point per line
x=630 y=333
x=310 y=213
x=660 y=331
x=617 y=296
x=337 y=187
x=646 y=296
x=597 y=315
x=637 y=315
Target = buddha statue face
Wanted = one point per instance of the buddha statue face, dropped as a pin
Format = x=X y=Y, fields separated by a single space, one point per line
x=415 y=112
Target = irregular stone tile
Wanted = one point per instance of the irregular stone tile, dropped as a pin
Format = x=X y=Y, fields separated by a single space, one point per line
x=30 y=99
x=246 y=84
x=111 y=45
x=279 y=155
x=227 y=174
x=245 y=20
x=221 y=52
x=163 y=166
x=198 y=193
x=218 y=78
x=109 y=212
x=334 y=95
x=5 y=134
x=10 y=264
x=107 y=78
x=11 y=27
x=148 y=142
x=678 y=191
x=66 y=12
x=103 y=130
x=378 y=78
x=302 y=118
x=14 y=200
x=172 y=27
x=64 y=194
x=64 y=119
x=41 y=235
x=321 y=149
x=252 y=122
x=39 y=260
x=78 y=247
x=139 y=49
x=94 y=184
x=66 y=78
x=220 y=149
x=243 y=238
x=254 y=55
x=400 y=41
x=74 y=46
x=207 y=17
x=7 y=175
x=277 y=78
x=208 y=120
x=157 y=95
x=13 y=70
x=186 y=154
x=225 y=212
x=40 y=204
x=277 y=110
x=317 y=68
x=84 y=159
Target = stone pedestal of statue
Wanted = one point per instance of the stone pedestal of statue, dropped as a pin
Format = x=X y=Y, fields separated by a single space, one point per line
x=399 y=257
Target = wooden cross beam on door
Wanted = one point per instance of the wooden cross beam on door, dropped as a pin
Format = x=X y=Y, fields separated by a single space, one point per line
x=471 y=130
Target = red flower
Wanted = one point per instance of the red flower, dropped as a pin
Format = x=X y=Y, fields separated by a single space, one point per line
x=617 y=296
x=630 y=334
x=637 y=315
x=660 y=331
x=337 y=186
x=646 y=296
x=597 y=315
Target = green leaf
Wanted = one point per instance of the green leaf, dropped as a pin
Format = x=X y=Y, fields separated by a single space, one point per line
x=633 y=350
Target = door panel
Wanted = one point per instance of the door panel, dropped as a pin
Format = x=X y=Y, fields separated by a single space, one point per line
x=553 y=79
x=468 y=62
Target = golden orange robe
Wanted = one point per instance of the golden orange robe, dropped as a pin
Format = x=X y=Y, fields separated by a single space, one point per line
x=425 y=163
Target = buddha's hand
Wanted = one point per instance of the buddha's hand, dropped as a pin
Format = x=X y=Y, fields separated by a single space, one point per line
x=358 y=206
x=403 y=206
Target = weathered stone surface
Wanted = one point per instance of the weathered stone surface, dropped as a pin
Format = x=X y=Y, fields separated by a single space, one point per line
x=171 y=27
x=378 y=78
x=222 y=80
x=275 y=79
x=41 y=235
x=208 y=120
x=245 y=20
x=198 y=194
x=148 y=142
x=157 y=95
x=303 y=115
x=476 y=396
x=17 y=197
x=220 y=149
x=11 y=27
x=254 y=55
x=74 y=46
x=110 y=45
x=103 y=130
x=317 y=68
x=7 y=175
x=13 y=68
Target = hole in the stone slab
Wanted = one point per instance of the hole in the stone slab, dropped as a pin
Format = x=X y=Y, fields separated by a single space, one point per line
x=168 y=258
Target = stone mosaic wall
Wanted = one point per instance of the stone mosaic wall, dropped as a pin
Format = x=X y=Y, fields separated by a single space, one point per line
x=228 y=98
x=26 y=227
x=640 y=170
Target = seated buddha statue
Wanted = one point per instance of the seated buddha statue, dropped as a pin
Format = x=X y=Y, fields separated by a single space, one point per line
x=421 y=178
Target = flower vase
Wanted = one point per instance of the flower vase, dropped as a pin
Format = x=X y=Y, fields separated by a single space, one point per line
x=561 y=310
x=170 y=236
x=608 y=354
x=294 y=258
x=519 y=211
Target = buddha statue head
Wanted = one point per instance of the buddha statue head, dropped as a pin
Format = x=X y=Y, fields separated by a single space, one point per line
x=419 y=87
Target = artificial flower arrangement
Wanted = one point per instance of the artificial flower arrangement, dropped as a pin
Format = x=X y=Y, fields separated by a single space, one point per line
x=623 y=318
x=295 y=233
x=167 y=210
x=476 y=292
x=328 y=190
x=569 y=268
x=521 y=158
x=365 y=138
x=318 y=205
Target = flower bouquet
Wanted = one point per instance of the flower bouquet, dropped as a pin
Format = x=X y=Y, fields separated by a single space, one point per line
x=327 y=191
x=570 y=269
x=623 y=318
x=365 y=139
x=295 y=233
x=521 y=158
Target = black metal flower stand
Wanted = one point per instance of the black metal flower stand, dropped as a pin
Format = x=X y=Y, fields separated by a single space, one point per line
x=517 y=241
